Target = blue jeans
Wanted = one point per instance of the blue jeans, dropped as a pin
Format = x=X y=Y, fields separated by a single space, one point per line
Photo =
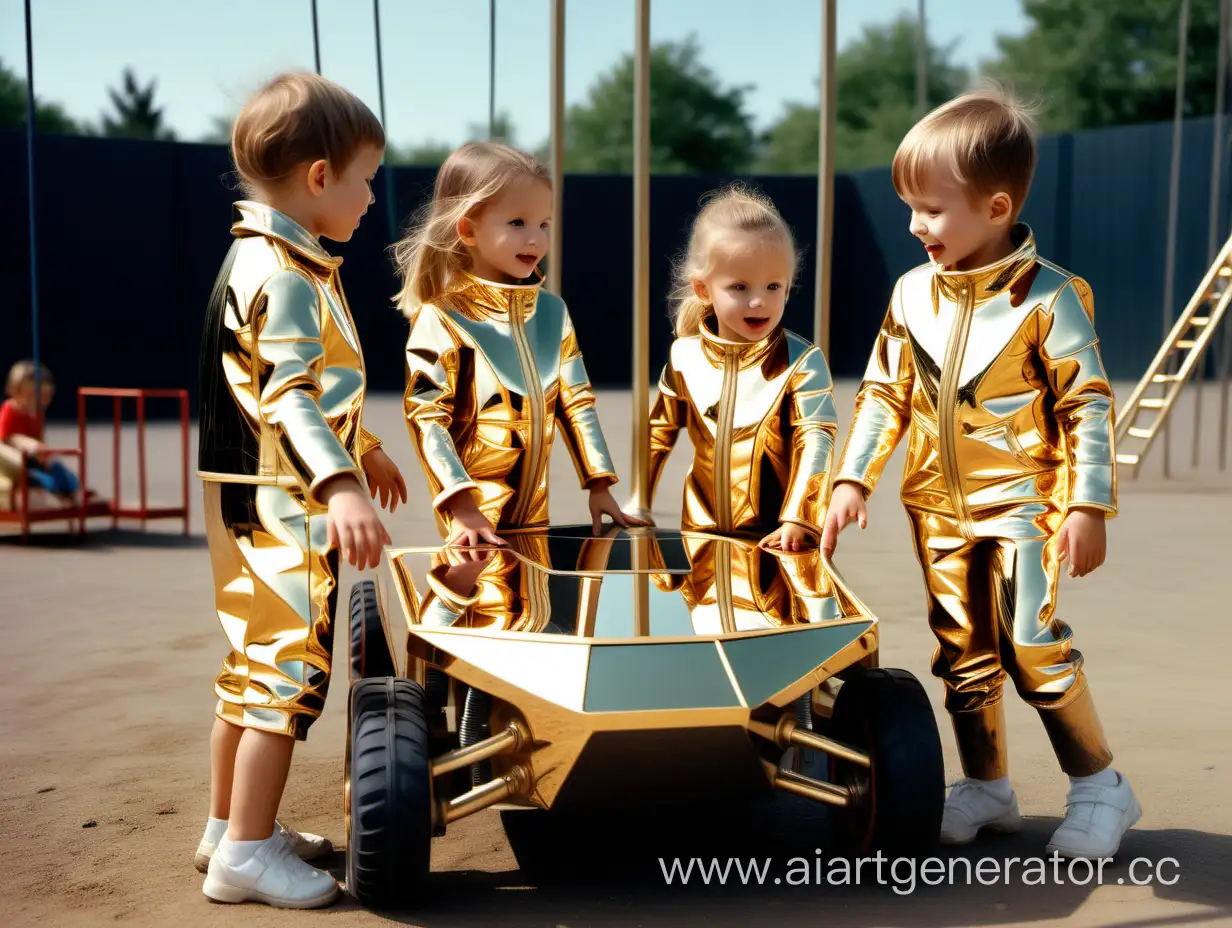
x=54 y=478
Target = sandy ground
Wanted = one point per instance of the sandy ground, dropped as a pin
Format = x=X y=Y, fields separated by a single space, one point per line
x=111 y=645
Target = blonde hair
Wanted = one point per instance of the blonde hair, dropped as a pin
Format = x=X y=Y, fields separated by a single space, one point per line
x=734 y=208
x=987 y=137
x=23 y=372
x=296 y=118
x=430 y=254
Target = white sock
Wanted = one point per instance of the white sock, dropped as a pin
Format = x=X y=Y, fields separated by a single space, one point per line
x=1106 y=777
x=215 y=828
x=998 y=789
x=239 y=852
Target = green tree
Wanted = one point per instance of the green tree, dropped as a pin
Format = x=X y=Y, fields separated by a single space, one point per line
x=48 y=117
x=433 y=153
x=219 y=132
x=695 y=123
x=874 y=91
x=1090 y=63
x=136 y=116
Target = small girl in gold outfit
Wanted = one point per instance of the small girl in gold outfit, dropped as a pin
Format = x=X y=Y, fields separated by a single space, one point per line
x=284 y=458
x=493 y=365
x=756 y=399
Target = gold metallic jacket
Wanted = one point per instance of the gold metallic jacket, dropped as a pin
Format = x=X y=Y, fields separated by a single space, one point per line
x=282 y=374
x=762 y=422
x=996 y=378
x=492 y=370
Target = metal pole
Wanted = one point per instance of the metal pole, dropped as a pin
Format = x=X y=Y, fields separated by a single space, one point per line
x=921 y=64
x=391 y=213
x=1166 y=321
x=556 y=136
x=316 y=38
x=1212 y=231
x=825 y=178
x=491 y=69
x=1225 y=359
x=641 y=258
x=31 y=113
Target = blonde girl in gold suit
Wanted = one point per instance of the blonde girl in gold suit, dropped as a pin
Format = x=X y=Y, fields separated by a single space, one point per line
x=493 y=366
x=288 y=469
x=755 y=398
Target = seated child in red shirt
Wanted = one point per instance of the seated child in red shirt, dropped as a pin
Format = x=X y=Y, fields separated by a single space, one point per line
x=21 y=427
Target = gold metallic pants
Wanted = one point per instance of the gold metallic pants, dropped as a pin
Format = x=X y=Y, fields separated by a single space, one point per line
x=275 y=588
x=991 y=604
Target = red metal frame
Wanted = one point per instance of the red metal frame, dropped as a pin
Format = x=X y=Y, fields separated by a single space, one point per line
x=25 y=516
x=143 y=512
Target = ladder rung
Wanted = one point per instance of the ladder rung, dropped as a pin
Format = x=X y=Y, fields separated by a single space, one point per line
x=1127 y=459
x=1185 y=343
x=1151 y=402
x=1139 y=433
x=1165 y=378
x=1199 y=320
x=1225 y=271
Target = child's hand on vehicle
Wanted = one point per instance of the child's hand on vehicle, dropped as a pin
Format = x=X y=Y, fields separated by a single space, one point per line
x=385 y=478
x=470 y=526
x=1083 y=541
x=846 y=506
x=354 y=527
x=788 y=537
x=602 y=502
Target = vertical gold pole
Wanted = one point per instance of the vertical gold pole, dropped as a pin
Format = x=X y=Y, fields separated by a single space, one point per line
x=641 y=259
x=825 y=179
x=557 y=142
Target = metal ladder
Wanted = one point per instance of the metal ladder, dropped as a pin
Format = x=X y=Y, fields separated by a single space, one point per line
x=1174 y=363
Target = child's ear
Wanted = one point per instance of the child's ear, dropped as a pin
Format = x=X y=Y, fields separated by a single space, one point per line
x=1000 y=208
x=700 y=290
x=317 y=172
x=466 y=231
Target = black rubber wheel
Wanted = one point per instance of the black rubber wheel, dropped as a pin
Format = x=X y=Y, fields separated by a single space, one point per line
x=370 y=654
x=389 y=795
x=897 y=803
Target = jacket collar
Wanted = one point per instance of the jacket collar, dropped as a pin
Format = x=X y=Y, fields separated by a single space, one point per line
x=260 y=219
x=992 y=279
x=489 y=297
x=746 y=354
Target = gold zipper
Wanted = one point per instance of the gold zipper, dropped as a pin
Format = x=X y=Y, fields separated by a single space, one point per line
x=534 y=393
x=722 y=442
x=947 y=401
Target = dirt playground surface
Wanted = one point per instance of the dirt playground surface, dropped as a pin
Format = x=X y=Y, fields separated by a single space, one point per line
x=111 y=646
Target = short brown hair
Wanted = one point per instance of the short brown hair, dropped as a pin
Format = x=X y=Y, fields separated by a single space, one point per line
x=431 y=252
x=987 y=137
x=22 y=373
x=299 y=117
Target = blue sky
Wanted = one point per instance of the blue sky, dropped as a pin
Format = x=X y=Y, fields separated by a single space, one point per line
x=208 y=54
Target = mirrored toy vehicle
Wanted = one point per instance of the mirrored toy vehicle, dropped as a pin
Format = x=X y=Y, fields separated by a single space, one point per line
x=569 y=673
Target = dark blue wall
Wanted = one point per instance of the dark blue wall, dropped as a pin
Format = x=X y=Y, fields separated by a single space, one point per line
x=131 y=233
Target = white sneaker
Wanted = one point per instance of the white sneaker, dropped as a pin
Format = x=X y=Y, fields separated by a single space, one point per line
x=273 y=875
x=1096 y=818
x=970 y=808
x=305 y=846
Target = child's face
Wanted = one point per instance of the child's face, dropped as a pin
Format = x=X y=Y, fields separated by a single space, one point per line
x=509 y=236
x=747 y=285
x=23 y=396
x=956 y=229
x=341 y=200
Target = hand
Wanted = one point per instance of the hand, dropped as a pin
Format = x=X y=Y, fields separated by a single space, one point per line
x=354 y=527
x=384 y=476
x=645 y=515
x=470 y=526
x=601 y=502
x=1083 y=541
x=788 y=537
x=846 y=506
